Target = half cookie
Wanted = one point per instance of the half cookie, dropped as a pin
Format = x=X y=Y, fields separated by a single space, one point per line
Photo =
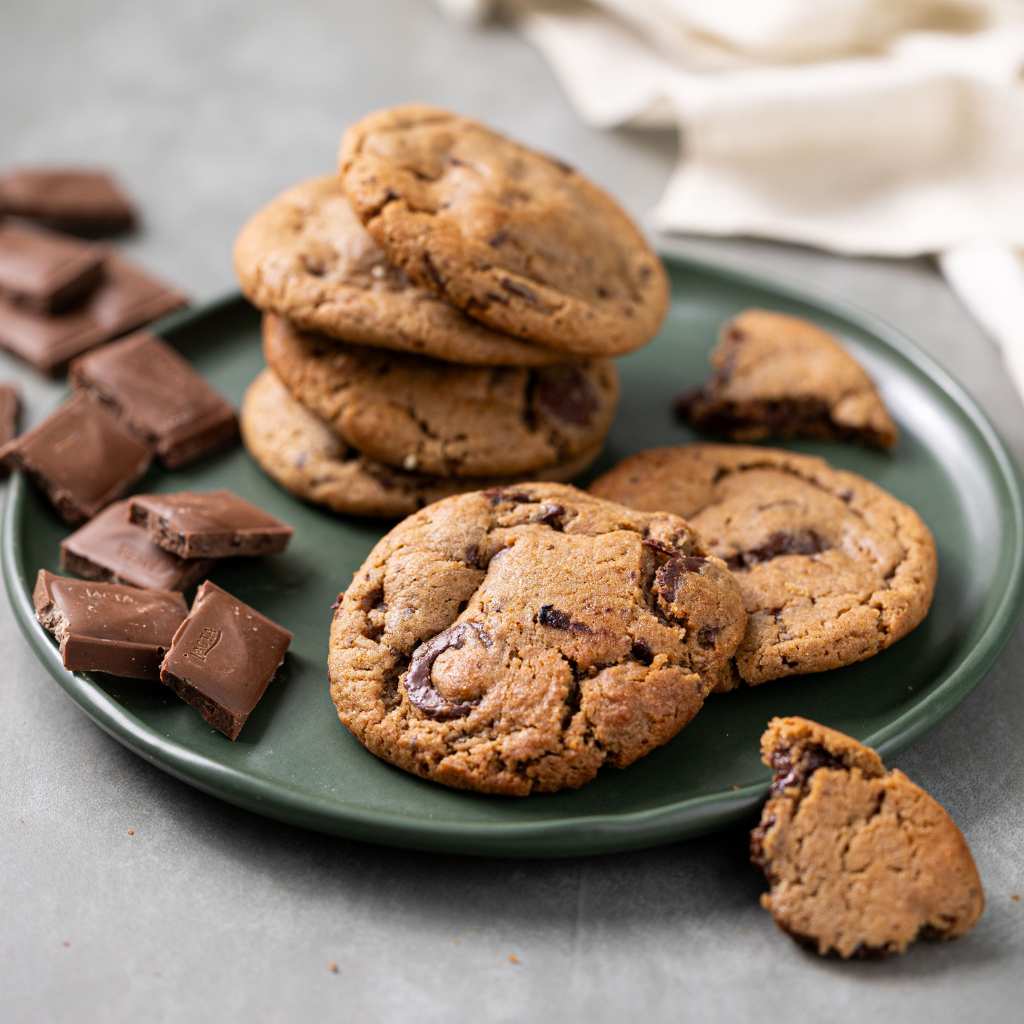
x=833 y=569
x=513 y=238
x=307 y=458
x=779 y=376
x=438 y=418
x=515 y=640
x=307 y=257
x=861 y=862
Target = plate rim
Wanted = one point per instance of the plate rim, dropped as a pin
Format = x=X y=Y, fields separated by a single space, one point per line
x=590 y=834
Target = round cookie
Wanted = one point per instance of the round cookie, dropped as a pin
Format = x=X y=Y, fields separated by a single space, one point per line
x=833 y=569
x=780 y=376
x=513 y=641
x=307 y=257
x=445 y=420
x=515 y=239
x=861 y=862
x=302 y=454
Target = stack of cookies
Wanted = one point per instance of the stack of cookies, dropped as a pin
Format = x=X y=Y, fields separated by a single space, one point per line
x=439 y=317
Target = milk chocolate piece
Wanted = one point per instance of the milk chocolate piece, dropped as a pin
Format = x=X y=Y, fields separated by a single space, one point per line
x=10 y=406
x=110 y=547
x=210 y=524
x=46 y=272
x=104 y=627
x=158 y=395
x=80 y=457
x=223 y=657
x=78 y=200
x=126 y=298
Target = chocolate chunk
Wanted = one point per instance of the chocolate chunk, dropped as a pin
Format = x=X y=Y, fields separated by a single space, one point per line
x=641 y=652
x=223 y=657
x=106 y=627
x=81 y=458
x=787 y=772
x=781 y=542
x=565 y=392
x=551 y=616
x=671 y=572
x=81 y=201
x=707 y=635
x=110 y=547
x=126 y=298
x=10 y=406
x=418 y=683
x=210 y=524
x=160 y=396
x=45 y=272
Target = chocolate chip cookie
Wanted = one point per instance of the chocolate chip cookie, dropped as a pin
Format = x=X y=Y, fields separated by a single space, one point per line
x=833 y=569
x=302 y=454
x=437 y=418
x=307 y=257
x=861 y=862
x=514 y=640
x=780 y=376
x=518 y=241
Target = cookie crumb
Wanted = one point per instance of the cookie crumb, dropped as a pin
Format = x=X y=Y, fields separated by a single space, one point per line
x=333 y=967
x=513 y=959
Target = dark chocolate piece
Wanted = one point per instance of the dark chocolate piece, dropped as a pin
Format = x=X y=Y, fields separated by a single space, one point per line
x=160 y=396
x=223 y=657
x=110 y=547
x=10 y=407
x=781 y=542
x=126 y=298
x=565 y=393
x=418 y=682
x=46 y=272
x=106 y=627
x=74 y=199
x=209 y=524
x=80 y=457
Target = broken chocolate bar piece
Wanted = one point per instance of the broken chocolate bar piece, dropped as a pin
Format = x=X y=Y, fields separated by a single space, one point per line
x=10 y=406
x=79 y=200
x=45 y=272
x=80 y=457
x=160 y=396
x=106 y=627
x=210 y=524
x=223 y=657
x=126 y=298
x=110 y=547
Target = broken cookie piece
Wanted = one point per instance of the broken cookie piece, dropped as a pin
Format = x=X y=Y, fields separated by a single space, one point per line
x=860 y=861
x=780 y=376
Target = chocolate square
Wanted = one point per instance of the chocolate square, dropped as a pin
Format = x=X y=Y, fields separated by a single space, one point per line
x=126 y=298
x=104 y=627
x=210 y=524
x=78 y=200
x=80 y=457
x=45 y=272
x=109 y=547
x=223 y=657
x=160 y=396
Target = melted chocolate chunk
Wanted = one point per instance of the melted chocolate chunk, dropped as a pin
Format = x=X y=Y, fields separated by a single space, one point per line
x=498 y=495
x=565 y=393
x=418 y=683
x=641 y=652
x=707 y=635
x=666 y=579
x=788 y=772
x=551 y=616
x=781 y=542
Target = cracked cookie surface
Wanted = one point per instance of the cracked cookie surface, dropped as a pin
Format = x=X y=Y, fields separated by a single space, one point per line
x=437 y=418
x=513 y=238
x=780 y=376
x=515 y=640
x=306 y=256
x=302 y=454
x=833 y=569
x=860 y=861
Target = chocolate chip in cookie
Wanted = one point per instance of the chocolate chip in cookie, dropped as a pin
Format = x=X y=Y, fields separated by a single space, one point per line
x=860 y=861
x=780 y=376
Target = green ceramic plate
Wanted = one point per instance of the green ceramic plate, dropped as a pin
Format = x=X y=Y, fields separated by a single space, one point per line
x=293 y=760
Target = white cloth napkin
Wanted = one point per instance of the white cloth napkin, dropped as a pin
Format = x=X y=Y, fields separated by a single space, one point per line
x=871 y=127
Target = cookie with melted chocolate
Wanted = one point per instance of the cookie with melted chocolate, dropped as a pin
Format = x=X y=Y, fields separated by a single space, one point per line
x=514 y=640
x=833 y=569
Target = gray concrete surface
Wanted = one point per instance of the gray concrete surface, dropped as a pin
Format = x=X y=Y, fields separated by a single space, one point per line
x=210 y=913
